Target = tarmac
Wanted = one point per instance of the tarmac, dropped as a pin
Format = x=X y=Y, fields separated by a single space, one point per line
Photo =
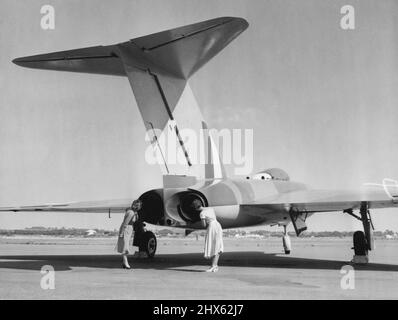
x=89 y=268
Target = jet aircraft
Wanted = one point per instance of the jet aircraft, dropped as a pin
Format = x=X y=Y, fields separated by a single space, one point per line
x=158 y=67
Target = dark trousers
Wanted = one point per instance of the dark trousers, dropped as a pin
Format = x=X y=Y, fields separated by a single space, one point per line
x=138 y=234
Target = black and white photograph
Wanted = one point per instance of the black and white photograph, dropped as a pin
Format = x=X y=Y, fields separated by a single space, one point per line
x=199 y=150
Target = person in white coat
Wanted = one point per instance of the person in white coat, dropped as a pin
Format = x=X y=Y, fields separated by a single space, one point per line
x=214 y=245
x=126 y=232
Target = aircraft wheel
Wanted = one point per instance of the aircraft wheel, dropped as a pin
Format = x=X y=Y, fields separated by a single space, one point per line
x=360 y=245
x=149 y=244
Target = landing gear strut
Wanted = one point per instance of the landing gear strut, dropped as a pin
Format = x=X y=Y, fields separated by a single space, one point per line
x=287 y=245
x=363 y=240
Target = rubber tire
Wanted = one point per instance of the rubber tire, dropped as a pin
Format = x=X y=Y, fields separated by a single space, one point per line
x=149 y=244
x=360 y=244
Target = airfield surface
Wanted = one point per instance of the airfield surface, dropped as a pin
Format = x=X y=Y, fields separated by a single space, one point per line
x=250 y=269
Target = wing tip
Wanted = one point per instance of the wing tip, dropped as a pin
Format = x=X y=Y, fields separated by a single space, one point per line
x=243 y=22
x=24 y=61
x=18 y=61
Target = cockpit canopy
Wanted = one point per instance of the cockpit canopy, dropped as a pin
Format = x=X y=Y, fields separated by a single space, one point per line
x=272 y=174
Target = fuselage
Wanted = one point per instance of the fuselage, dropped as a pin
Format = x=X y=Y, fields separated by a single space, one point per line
x=227 y=197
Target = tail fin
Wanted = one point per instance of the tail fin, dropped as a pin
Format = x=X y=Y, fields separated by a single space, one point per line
x=158 y=67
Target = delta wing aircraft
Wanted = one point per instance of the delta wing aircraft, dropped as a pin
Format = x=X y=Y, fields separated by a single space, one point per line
x=158 y=67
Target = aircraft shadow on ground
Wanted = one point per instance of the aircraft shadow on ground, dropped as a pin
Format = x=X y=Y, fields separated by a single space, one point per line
x=187 y=261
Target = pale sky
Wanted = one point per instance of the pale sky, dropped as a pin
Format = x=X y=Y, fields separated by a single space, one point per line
x=322 y=101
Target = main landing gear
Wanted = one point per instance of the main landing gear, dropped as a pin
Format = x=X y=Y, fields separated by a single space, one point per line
x=363 y=240
x=145 y=241
x=148 y=244
x=287 y=245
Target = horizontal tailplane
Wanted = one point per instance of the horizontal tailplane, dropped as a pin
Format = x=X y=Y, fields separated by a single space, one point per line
x=179 y=52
